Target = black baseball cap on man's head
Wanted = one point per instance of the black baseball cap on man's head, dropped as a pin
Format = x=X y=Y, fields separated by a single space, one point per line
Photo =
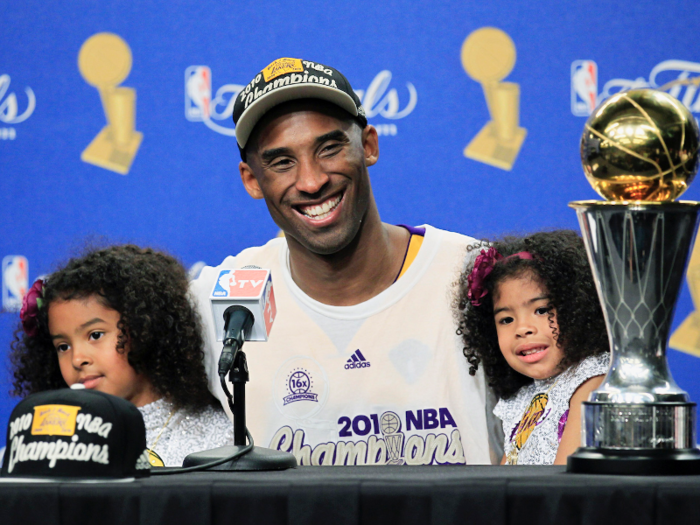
x=75 y=435
x=288 y=79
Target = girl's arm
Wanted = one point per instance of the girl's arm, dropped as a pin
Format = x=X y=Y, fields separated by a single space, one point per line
x=571 y=438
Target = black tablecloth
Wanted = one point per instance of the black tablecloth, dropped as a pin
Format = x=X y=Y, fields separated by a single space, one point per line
x=367 y=495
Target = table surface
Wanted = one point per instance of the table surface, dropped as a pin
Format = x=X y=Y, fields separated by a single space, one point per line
x=368 y=495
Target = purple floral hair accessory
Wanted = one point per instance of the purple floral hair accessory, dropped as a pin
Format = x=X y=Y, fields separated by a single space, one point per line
x=483 y=266
x=31 y=304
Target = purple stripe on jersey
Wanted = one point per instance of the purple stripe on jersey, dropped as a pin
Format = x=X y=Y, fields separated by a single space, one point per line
x=414 y=231
x=562 y=423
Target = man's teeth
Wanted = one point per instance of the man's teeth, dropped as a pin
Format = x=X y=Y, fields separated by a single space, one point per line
x=321 y=211
x=533 y=350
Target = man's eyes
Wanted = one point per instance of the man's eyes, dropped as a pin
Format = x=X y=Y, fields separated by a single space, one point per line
x=280 y=164
x=331 y=149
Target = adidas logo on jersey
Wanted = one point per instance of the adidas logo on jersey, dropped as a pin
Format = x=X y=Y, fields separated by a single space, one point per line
x=357 y=360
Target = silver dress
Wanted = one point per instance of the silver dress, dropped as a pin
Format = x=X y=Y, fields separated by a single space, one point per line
x=547 y=425
x=187 y=431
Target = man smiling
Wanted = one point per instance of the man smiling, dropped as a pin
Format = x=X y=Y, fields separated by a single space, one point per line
x=363 y=365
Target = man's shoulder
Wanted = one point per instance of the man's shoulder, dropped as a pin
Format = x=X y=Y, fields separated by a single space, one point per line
x=449 y=242
x=449 y=237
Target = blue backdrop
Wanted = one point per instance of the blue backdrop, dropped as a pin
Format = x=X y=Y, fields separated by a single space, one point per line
x=182 y=192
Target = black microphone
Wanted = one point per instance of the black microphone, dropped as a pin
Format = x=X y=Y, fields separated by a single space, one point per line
x=238 y=323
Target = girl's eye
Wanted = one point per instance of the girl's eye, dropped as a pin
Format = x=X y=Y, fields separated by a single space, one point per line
x=94 y=336
x=63 y=347
x=543 y=310
x=505 y=320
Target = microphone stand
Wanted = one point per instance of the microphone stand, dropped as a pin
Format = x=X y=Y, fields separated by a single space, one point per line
x=239 y=377
x=257 y=458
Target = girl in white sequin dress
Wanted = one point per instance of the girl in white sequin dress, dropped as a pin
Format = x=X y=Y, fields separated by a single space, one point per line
x=529 y=314
x=120 y=320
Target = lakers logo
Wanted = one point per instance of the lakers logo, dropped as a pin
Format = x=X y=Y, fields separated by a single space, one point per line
x=530 y=419
x=54 y=420
x=282 y=66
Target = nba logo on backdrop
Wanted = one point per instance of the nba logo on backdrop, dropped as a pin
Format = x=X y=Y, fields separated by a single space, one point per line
x=15 y=281
x=584 y=87
x=197 y=93
x=678 y=78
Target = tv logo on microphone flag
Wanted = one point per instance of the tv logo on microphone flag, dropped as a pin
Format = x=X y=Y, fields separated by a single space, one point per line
x=247 y=287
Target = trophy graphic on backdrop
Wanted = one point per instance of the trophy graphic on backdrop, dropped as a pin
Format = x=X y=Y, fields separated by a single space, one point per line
x=105 y=62
x=687 y=336
x=488 y=56
x=640 y=152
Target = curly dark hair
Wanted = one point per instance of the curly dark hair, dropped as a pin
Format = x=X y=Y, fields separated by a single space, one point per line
x=149 y=290
x=561 y=267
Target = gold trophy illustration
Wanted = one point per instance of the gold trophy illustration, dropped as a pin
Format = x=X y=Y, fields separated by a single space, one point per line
x=488 y=56
x=104 y=62
x=687 y=337
x=640 y=152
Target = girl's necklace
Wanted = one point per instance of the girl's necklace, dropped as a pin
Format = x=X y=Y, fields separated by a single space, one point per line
x=153 y=458
x=527 y=423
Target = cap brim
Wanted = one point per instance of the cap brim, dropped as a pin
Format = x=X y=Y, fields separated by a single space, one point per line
x=59 y=479
x=258 y=108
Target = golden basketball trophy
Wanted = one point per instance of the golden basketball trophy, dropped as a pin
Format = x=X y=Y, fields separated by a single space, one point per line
x=488 y=56
x=105 y=62
x=640 y=152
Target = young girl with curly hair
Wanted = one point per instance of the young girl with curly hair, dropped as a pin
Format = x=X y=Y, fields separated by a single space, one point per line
x=120 y=320
x=530 y=315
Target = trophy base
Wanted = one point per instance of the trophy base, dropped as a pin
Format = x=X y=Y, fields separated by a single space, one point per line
x=678 y=462
x=638 y=427
x=488 y=148
x=103 y=152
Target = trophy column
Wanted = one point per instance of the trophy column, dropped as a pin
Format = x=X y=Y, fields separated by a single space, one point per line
x=638 y=420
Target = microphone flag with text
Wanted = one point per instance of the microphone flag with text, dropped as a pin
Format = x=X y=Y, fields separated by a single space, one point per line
x=250 y=288
x=243 y=306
